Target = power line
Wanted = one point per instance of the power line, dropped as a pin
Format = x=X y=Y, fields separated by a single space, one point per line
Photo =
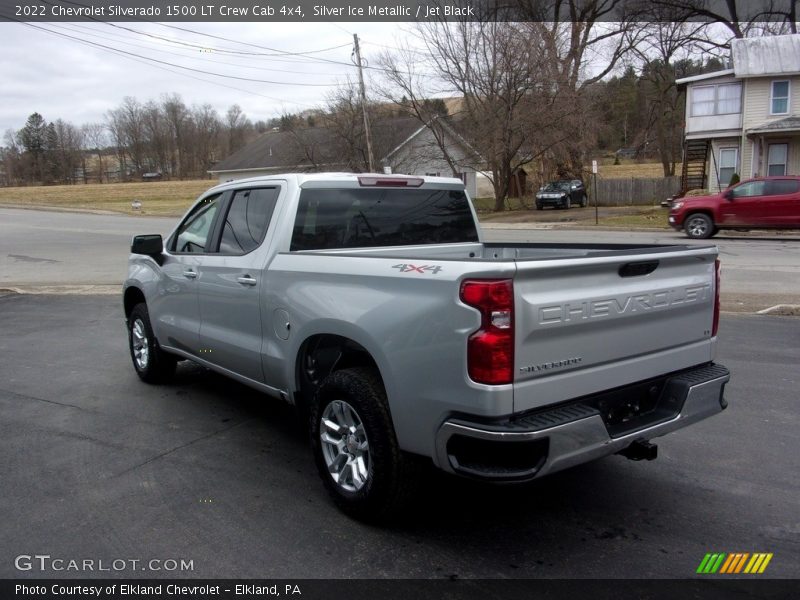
x=216 y=37
x=163 y=62
x=277 y=52
x=91 y=32
x=209 y=81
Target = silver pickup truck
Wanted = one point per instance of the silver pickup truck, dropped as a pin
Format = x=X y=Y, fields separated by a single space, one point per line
x=372 y=303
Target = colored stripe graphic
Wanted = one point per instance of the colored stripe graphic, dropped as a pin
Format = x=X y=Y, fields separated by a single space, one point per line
x=731 y=564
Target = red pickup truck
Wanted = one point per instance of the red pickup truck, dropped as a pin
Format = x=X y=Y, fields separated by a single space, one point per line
x=765 y=202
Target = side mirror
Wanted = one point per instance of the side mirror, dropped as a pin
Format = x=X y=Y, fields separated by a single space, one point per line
x=728 y=194
x=150 y=245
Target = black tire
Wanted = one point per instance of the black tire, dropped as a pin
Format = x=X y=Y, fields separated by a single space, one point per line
x=584 y=201
x=390 y=473
x=567 y=203
x=538 y=206
x=699 y=226
x=151 y=363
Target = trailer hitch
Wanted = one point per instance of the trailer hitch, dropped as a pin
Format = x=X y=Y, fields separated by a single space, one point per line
x=640 y=450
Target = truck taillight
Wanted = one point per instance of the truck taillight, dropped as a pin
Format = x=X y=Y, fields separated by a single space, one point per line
x=715 y=324
x=490 y=350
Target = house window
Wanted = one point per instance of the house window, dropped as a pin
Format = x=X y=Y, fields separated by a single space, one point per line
x=703 y=101
x=779 y=100
x=723 y=99
x=776 y=159
x=728 y=159
x=729 y=99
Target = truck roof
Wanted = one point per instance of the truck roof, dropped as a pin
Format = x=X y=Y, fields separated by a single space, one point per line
x=301 y=179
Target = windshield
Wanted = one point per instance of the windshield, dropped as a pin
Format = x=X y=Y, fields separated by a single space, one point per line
x=557 y=186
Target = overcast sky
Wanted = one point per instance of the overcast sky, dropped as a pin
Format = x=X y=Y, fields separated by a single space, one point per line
x=64 y=78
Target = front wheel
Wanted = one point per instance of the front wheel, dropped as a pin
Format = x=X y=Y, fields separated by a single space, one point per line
x=355 y=447
x=152 y=364
x=699 y=226
x=584 y=201
x=567 y=203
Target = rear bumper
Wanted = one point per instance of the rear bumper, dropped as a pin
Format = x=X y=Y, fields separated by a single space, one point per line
x=528 y=446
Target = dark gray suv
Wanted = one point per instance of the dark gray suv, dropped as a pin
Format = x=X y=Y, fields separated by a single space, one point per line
x=563 y=193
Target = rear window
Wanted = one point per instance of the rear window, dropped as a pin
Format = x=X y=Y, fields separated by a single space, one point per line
x=779 y=187
x=359 y=218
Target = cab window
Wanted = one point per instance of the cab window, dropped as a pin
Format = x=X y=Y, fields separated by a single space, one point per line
x=192 y=235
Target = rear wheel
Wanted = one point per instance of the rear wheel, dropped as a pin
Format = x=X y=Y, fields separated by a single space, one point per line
x=355 y=447
x=699 y=226
x=152 y=364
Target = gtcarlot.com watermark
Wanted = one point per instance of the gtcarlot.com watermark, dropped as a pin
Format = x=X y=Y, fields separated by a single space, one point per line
x=45 y=563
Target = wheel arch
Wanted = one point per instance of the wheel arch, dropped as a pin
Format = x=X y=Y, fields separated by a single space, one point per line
x=321 y=354
x=131 y=297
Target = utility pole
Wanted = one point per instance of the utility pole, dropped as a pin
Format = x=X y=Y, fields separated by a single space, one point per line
x=370 y=159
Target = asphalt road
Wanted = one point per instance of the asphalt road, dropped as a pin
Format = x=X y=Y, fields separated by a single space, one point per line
x=97 y=465
x=42 y=248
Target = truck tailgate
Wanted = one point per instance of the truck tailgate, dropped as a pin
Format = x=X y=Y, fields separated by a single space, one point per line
x=597 y=322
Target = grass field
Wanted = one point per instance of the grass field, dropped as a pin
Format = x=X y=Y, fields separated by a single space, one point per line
x=633 y=169
x=159 y=198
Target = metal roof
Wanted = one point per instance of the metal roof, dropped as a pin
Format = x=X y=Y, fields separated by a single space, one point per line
x=767 y=55
x=712 y=75
x=787 y=125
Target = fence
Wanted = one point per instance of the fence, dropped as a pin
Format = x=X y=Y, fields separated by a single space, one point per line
x=633 y=191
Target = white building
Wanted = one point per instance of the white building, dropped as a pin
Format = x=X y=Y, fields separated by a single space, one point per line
x=744 y=120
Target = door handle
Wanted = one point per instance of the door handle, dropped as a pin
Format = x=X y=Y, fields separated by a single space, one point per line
x=246 y=280
x=190 y=274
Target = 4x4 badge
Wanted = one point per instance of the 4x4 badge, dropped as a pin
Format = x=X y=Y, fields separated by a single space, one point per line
x=407 y=268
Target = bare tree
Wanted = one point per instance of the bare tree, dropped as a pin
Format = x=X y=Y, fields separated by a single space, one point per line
x=344 y=118
x=238 y=126
x=128 y=127
x=582 y=41
x=508 y=111
x=11 y=158
x=178 y=121
x=206 y=136
x=160 y=142
x=663 y=53
x=96 y=139
x=742 y=18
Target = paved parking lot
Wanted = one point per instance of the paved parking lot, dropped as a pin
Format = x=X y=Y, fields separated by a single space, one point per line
x=97 y=465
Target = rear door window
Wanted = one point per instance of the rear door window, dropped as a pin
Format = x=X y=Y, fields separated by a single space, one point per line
x=247 y=220
x=782 y=187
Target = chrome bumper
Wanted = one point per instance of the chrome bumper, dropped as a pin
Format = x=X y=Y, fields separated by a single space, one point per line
x=580 y=434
